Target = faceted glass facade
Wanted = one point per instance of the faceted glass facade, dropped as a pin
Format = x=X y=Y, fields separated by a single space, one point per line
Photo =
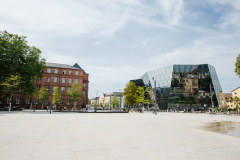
x=182 y=86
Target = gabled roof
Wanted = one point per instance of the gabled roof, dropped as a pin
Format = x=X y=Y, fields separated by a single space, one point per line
x=235 y=89
x=77 y=66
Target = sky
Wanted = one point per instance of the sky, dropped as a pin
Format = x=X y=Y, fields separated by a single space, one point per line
x=115 y=41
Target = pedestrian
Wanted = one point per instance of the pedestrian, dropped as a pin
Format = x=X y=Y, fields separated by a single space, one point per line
x=47 y=108
x=34 y=108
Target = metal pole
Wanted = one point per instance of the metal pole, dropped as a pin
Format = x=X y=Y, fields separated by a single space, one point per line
x=110 y=103
x=31 y=107
x=155 y=98
x=52 y=88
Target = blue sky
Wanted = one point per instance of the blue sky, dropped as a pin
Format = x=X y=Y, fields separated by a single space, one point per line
x=115 y=41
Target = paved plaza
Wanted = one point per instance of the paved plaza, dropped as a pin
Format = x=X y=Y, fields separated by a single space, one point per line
x=137 y=136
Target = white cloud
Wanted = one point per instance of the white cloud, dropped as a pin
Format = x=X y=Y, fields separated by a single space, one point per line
x=212 y=50
x=172 y=10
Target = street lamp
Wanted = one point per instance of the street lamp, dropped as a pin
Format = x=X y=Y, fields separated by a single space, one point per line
x=154 y=81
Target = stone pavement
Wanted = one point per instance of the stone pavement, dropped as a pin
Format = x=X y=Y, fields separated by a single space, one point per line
x=39 y=135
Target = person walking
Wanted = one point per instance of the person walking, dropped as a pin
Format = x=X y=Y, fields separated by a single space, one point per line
x=34 y=108
x=47 y=108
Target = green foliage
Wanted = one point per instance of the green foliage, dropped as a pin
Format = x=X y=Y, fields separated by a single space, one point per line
x=17 y=58
x=141 y=92
x=237 y=65
x=42 y=94
x=130 y=96
x=56 y=96
x=101 y=105
x=9 y=86
x=75 y=94
x=115 y=101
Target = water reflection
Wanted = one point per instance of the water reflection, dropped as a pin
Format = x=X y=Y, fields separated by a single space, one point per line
x=224 y=127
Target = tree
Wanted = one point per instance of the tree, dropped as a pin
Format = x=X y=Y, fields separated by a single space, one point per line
x=19 y=59
x=42 y=95
x=56 y=95
x=115 y=101
x=237 y=66
x=74 y=93
x=141 y=99
x=130 y=94
x=236 y=101
x=9 y=86
x=100 y=105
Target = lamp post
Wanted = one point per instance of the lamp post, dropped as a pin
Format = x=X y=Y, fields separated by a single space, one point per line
x=52 y=90
x=154 y=81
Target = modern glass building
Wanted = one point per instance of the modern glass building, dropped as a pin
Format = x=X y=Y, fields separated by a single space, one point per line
x=182 y=86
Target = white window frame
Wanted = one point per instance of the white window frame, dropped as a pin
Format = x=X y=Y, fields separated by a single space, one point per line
x=83 y=92
x=68 y=100
x=69 y=80
x=18 y=100
x=54 y=79
x=55 y=70
x=36 y=101
x=62 y=90
x=48 y=79
x=63 y=78
x=47 y=87
x=84 y=84
x=76 y=82
x=38 y=87
x=76 y=73
x=39 y=79
x=61 y=100
x=64 y=71
x=49 y=70
x=28 y=101
x=70 y=72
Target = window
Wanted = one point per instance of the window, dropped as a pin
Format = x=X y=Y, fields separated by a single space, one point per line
x=83 y=92
x=235 y=93
x=64 y=72
x=18 y=101
x=84 y=84
x=55 y=70
x=38 y=87
x=36 y=101
x=48 y=79
x=55 y=80
x=47 y=87
x=53 y=88
x=70 y=72
x=62 y=90
x=28 y=100
x=76 y=81
x=63 y=80
x=39 y=79
x=61 y=101
x=68 y=101
x=49 y=70
x=69 y=88
x=70 y=80
x=45 y=101
x=76 y=73
x=231 y=105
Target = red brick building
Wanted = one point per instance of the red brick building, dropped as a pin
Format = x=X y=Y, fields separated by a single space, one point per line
x=60 y=75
